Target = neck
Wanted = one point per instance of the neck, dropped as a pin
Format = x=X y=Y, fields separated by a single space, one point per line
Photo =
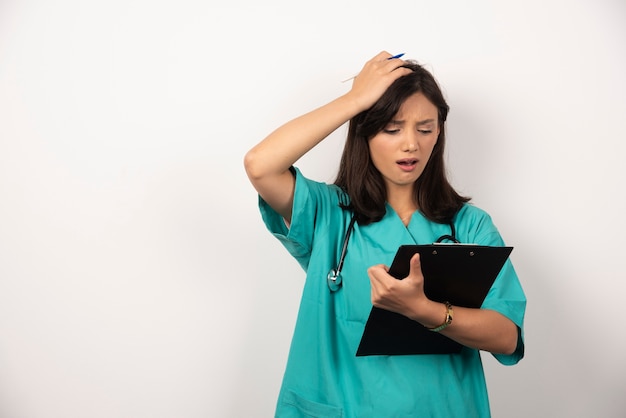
x=403 y=204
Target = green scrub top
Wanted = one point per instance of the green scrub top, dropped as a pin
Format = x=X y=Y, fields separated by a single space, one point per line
x=323 y=376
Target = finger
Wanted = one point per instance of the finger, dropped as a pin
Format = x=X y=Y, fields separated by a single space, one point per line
x=374 y=272
x=387 y=56
x=377 y=288
x=382 y=55
x=394 y=64
x=374 y=284
x=379 y=269
x=415 y=268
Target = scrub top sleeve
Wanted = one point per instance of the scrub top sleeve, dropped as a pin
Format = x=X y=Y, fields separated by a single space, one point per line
x=298 y=237
x=506 y=295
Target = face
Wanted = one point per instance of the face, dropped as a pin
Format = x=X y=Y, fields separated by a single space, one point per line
x=401 y=150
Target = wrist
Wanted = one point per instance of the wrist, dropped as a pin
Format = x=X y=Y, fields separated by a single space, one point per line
x=449 y=315
x=354 y=103
x=427 y=312
x=431 y=314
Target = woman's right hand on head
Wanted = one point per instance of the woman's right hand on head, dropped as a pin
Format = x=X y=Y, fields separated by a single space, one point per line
x=375 y=78
x=268 y=164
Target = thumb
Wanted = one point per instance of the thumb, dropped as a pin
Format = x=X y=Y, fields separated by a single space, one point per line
x=415 y=268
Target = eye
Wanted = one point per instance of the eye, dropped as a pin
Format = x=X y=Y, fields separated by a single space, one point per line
x=391 y=131
x=425 y=131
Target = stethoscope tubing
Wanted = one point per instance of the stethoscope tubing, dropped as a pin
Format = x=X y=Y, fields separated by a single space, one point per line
x=334 y=279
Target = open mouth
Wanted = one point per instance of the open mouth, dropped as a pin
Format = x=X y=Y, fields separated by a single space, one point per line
x=407 y=162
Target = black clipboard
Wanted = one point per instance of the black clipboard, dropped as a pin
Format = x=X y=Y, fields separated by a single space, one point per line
x=461 y=274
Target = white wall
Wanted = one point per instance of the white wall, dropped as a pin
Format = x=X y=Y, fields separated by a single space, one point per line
x=136 y=277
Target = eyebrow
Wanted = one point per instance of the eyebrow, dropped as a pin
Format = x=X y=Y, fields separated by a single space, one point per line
x=420 y=123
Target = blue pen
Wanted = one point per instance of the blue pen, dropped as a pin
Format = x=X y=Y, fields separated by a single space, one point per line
x=390 y=58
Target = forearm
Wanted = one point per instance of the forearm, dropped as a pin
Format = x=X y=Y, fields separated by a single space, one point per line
x=267 y=164
x=482 y=329
x=283 y=147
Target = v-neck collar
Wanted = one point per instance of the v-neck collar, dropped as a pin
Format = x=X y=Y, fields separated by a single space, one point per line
x=409 y=229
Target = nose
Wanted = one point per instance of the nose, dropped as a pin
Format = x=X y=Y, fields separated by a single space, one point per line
x=410 y=143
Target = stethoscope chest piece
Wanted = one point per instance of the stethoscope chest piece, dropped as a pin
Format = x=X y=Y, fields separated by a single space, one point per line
x=334 y=280
x=334 y=275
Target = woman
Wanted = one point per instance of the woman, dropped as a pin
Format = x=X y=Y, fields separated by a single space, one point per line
x=392 y=183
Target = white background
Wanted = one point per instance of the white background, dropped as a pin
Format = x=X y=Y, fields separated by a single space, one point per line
x=136 y=277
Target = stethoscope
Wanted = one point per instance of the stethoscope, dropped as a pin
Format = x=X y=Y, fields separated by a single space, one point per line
x=334 y=275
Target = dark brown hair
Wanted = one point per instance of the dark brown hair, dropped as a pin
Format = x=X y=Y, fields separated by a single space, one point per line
x=433 y=194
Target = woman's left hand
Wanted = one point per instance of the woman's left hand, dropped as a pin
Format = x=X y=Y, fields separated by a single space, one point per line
x=401 y=296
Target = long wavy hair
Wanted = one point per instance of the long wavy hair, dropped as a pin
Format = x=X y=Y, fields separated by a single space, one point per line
x=360 y=179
